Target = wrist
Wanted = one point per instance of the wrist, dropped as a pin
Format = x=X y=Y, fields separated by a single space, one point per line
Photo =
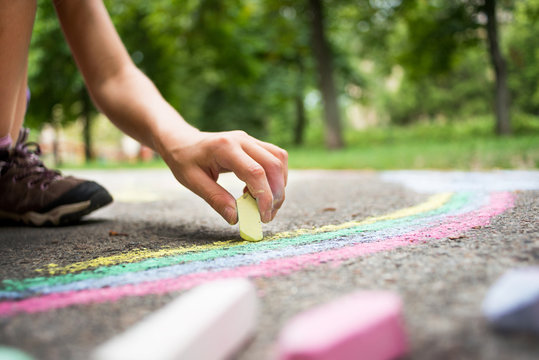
x=172 y=134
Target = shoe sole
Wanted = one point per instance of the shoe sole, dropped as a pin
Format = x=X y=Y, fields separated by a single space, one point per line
x=64 y=214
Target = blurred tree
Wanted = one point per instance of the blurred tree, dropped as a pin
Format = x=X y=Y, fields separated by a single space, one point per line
x=234 y=65
x=243 y=64
x=458 y=94
x=324 y=60
x=247 y=64
x=155 y=57
x=522 y=43
x=284 y=28
x=438 y=32
x=54 y=80
x=503 y=125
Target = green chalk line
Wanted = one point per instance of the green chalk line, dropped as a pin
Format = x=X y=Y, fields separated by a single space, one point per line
x=456 y=201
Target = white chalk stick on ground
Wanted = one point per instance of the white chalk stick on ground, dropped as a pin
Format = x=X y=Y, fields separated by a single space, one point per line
x=362 y=325
x=210 y=322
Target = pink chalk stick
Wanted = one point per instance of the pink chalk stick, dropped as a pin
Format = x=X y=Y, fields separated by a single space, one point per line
x=362 y=325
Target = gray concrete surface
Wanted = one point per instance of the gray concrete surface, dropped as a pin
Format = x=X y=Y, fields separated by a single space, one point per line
x=442 y=283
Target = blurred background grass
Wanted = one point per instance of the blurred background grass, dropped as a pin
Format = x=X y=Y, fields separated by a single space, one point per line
x=464 y=145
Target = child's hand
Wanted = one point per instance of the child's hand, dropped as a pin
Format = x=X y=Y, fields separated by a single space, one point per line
x=198 y=161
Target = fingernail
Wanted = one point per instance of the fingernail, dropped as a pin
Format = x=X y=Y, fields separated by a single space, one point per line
x=267 y=216
x=278 y=197
x=230 y=215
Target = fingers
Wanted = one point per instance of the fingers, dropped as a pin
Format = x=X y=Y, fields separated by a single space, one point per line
x=262 y=166
x=214 y=194
x=254 y=175
x=275 y=170
x=280 y=154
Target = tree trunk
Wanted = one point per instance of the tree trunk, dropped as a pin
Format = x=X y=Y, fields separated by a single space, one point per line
x=503 y=124
x=322 y=54
x=301 y=119
x=299 y=129
x=86 y=129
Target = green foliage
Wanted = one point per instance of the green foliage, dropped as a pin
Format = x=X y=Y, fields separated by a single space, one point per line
x=224 y=66
x=56 y=86
x=467 y=154
x=242 y=64
x=461 y=93
x=442 y=131
x=523 y=49
x=436 y=32
x=468 y=144
x=440 y=48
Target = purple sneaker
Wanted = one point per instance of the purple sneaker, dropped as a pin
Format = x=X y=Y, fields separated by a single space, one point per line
x=33 y=194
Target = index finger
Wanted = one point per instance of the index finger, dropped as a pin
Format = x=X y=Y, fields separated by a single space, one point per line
x=280 y=154
x=275 y=170
x=254 y=175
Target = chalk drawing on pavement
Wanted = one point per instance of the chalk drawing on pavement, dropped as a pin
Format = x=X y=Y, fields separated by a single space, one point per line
x=143 y=272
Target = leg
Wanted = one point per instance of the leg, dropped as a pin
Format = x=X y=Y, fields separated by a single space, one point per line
x=29 y=192
x=20 y=108
x=16 y=22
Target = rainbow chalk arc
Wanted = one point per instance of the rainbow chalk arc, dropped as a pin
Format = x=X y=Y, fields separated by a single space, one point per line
x=142 y=272
x=208 y=258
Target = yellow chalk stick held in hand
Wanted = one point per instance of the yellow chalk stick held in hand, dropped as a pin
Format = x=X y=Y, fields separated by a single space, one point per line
x=249 y=218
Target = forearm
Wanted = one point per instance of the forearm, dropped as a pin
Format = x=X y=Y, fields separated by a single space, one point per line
x=132 y=102
x=118 y=88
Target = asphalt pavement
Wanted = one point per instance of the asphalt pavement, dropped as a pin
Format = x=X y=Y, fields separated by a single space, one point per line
x=461 y=231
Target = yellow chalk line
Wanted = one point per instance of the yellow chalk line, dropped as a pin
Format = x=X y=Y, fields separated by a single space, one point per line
x=136 y=255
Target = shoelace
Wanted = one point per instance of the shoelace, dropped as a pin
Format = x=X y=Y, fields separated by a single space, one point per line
x=24 y=157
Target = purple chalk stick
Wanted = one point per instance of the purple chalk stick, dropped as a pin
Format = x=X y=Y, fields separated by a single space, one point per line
x=362 y=325
x=512 y=303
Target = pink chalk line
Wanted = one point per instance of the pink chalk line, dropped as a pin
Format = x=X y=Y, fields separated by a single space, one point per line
x=499 y=202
